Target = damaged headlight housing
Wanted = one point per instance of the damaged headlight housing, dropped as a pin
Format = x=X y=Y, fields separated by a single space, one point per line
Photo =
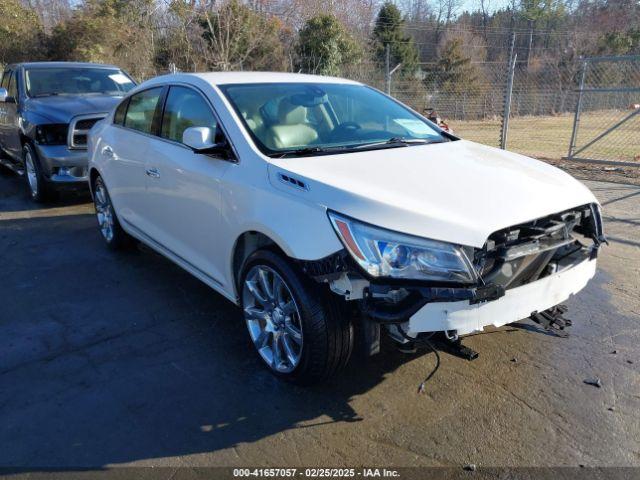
x=52 y=134
x=384 y=253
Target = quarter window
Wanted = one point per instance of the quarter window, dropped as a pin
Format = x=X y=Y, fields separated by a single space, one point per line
x=142 y=108
x=118 y=117
x=185 y=108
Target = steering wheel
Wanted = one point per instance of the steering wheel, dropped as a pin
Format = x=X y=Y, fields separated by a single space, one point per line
x=348 y=126
x=343 y=130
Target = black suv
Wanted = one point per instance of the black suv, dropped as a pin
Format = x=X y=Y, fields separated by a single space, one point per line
x=46 y=111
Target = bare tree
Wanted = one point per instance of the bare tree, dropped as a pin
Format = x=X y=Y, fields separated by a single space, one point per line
x=485 y=6
x=238 y=37
x=51 y=12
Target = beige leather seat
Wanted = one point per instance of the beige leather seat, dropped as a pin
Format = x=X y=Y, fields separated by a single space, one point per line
x=292 y=129
x=254 y=122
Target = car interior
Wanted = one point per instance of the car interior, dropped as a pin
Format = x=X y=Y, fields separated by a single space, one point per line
x=306 y=116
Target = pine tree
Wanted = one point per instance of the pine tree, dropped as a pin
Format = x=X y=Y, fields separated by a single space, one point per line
x=389 y=30
x=454 y=72
x=324 y=46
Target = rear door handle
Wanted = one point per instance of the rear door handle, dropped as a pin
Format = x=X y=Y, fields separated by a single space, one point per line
x=153 y=172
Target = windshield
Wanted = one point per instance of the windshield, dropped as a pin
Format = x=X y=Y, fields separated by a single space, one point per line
x=42 y=82
x=311 y=118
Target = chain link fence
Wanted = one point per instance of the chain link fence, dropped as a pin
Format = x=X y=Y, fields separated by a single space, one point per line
x=544 y=98
x=607 y=117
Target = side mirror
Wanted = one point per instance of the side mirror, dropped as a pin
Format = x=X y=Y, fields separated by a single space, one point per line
x=201 y=140
x=198 y=138
x=4 y=94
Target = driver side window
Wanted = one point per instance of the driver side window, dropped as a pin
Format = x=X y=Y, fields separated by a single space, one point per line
x=13 y=85
x=5 y=79
x=185 y=108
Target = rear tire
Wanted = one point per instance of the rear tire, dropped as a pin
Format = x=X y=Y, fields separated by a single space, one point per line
x=111 y=230
x=39 y=189
x=277 y=300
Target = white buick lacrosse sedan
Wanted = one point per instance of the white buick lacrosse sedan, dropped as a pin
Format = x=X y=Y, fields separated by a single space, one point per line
x=319 y=204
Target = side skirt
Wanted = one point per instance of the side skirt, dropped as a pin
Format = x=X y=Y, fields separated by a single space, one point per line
x=5 y=162
x=178 y=260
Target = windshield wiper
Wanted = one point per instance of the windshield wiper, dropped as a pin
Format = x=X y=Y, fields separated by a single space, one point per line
x=396 y=142
x=306 y=151
x=392 y=142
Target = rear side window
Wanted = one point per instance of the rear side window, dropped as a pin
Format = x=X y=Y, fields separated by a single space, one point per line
x=185 y=108
x=142 y=108
x=118 y=116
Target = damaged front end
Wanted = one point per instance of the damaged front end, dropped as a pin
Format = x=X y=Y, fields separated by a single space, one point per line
x=525 y=264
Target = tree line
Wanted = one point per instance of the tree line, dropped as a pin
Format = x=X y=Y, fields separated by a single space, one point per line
x=436 y=44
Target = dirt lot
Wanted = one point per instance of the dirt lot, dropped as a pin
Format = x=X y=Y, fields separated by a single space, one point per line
x=111 y=359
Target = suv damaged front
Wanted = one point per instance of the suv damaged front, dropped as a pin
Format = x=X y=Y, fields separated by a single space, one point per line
x=417 y=286
x=58 y=104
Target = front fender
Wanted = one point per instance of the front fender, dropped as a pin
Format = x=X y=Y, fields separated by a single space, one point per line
x=300 y=228
x=29 y=121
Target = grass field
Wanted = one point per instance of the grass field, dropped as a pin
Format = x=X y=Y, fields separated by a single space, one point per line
x=548 y=137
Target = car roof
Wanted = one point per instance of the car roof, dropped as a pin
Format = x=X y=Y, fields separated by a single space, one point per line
x=62 y=65
x=226 y=78
x=222 y=78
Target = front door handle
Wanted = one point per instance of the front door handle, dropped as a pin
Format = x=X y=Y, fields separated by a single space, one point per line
x=153 y=172
x=108 y=152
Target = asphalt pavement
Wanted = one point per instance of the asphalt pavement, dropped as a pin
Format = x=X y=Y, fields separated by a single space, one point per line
x=124 y=359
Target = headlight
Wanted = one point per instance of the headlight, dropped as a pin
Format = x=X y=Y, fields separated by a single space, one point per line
x=384 y=253
x=52 y=134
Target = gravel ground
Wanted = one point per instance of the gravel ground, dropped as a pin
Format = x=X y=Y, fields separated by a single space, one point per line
x=124 y=359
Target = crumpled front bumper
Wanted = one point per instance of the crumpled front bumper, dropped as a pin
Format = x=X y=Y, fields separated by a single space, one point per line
x=516 y=304
x=62 y=165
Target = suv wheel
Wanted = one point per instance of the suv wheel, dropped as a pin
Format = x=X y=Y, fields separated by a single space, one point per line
x=39 y=189
x=110 y=227
x=300 y=331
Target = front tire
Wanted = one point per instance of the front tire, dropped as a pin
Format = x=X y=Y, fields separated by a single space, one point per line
x=39 y=190
x=300 y=331
x=111 y=230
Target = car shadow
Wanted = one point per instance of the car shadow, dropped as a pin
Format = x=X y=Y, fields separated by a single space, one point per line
x=113 y=358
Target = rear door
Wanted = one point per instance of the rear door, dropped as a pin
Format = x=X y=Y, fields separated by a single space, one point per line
x=125 y=147
x=183 y=192
x=9 y=126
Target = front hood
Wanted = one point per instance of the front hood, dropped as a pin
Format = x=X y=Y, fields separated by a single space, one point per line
x=457 y=192
x=61 y=109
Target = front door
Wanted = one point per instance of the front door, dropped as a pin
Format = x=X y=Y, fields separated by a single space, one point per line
x=9 y=125
x=183 y=193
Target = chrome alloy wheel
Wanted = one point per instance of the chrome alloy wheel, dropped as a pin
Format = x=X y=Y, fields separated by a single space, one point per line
x=104 y=211
x=273 y=318
x=32 y=176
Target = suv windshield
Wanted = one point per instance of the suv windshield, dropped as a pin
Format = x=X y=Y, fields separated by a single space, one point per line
x=42 y=82
x=313 y=118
